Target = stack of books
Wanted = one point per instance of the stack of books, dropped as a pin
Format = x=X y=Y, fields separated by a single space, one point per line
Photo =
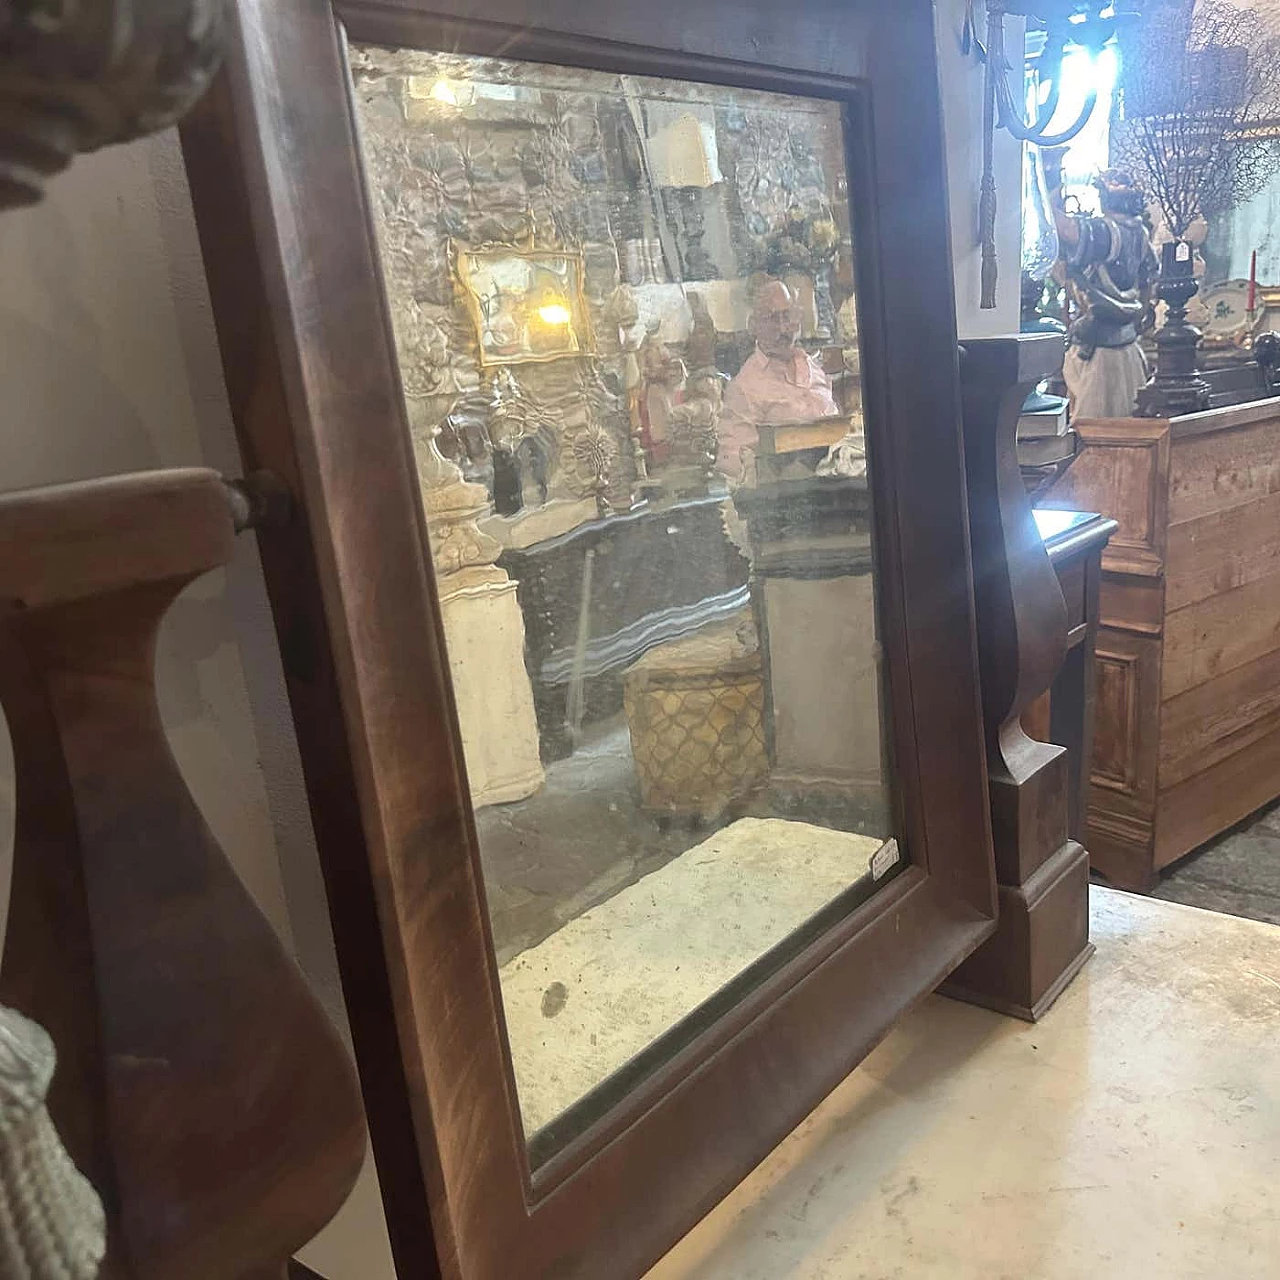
x=1044 y=439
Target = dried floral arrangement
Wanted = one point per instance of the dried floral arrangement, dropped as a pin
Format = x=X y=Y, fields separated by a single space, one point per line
x=1198 y=113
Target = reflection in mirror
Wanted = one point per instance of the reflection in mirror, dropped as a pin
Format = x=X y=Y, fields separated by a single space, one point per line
x=625 y=318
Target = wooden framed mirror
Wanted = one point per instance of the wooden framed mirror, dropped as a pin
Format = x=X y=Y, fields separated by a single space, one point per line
x=627 y=617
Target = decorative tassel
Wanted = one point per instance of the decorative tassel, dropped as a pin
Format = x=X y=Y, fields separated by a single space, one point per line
x=52 y=1226
x=987 y=206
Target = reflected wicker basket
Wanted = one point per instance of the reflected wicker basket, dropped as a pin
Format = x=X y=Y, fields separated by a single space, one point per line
x=695 y=711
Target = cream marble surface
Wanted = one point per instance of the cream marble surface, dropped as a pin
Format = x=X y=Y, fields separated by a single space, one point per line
x=586 y=1000
x=1134 y=1132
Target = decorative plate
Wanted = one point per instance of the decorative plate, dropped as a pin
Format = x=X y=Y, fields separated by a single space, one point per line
x=1227 y=312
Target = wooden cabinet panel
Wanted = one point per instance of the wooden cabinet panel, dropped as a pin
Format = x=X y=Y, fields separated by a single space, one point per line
x=1204 y=725
x=1234 y=461
x=1114 y=749
x=1222 y=551
x=1188 y=664
x=1216 y=798
x=1123 y=778
x=1124 y=754
x=1220 y=634
x=1132 y=603
x=1126 y=461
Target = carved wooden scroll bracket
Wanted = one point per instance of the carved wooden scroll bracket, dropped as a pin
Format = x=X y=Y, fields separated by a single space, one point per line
x=200 y=1086
x=1042 y=876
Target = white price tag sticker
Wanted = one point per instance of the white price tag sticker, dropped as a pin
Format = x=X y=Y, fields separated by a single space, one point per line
x=884 y=859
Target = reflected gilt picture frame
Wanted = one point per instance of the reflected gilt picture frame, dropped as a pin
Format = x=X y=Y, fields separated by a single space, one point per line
x=1268 y=309
x=527 y=306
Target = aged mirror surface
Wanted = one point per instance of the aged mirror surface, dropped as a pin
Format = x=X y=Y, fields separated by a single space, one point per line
x=626 y=322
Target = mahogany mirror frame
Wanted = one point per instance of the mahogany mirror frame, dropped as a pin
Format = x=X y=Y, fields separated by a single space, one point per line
x=304 y=329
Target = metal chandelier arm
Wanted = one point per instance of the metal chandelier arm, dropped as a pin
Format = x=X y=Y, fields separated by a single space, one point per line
x=1002 y=106
x=1010 y=117
x=1050 y=56
x=1008 y=103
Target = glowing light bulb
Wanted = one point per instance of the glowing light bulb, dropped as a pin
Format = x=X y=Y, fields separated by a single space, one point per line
x=442 y=91
x=555 y=313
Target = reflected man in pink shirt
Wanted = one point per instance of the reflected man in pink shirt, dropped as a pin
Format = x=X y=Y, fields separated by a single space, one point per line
x=778 y=383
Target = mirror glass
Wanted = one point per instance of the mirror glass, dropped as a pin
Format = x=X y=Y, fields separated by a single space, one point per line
x=627 y=329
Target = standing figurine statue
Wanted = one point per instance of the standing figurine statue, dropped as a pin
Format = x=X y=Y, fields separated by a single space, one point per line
x=1111 y=269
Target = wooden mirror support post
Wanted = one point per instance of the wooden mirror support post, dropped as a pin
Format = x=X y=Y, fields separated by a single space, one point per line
x=200 y=1086
x=1043 y=877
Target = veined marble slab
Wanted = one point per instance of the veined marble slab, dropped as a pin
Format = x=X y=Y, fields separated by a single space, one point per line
x=1135 y=1132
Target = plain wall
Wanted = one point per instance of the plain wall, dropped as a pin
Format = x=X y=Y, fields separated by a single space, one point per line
x=107 y=366
x=962 y=93
x=109 y=363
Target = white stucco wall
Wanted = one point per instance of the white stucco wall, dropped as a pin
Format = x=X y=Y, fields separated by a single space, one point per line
x=109 y=363
x=962 y=80
x=107 y=366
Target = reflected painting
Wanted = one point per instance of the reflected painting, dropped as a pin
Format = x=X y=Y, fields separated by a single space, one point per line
x=625 y=314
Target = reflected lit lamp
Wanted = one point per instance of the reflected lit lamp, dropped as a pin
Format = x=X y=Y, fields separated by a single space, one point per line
x=1068 y=24
x=549 y=322
x=554 y=312
x=439 y=93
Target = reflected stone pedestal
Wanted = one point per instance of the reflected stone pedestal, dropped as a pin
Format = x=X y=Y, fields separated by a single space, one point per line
x=815 y=605
x=484 y=636
x=823 y=679
x=484 y=632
